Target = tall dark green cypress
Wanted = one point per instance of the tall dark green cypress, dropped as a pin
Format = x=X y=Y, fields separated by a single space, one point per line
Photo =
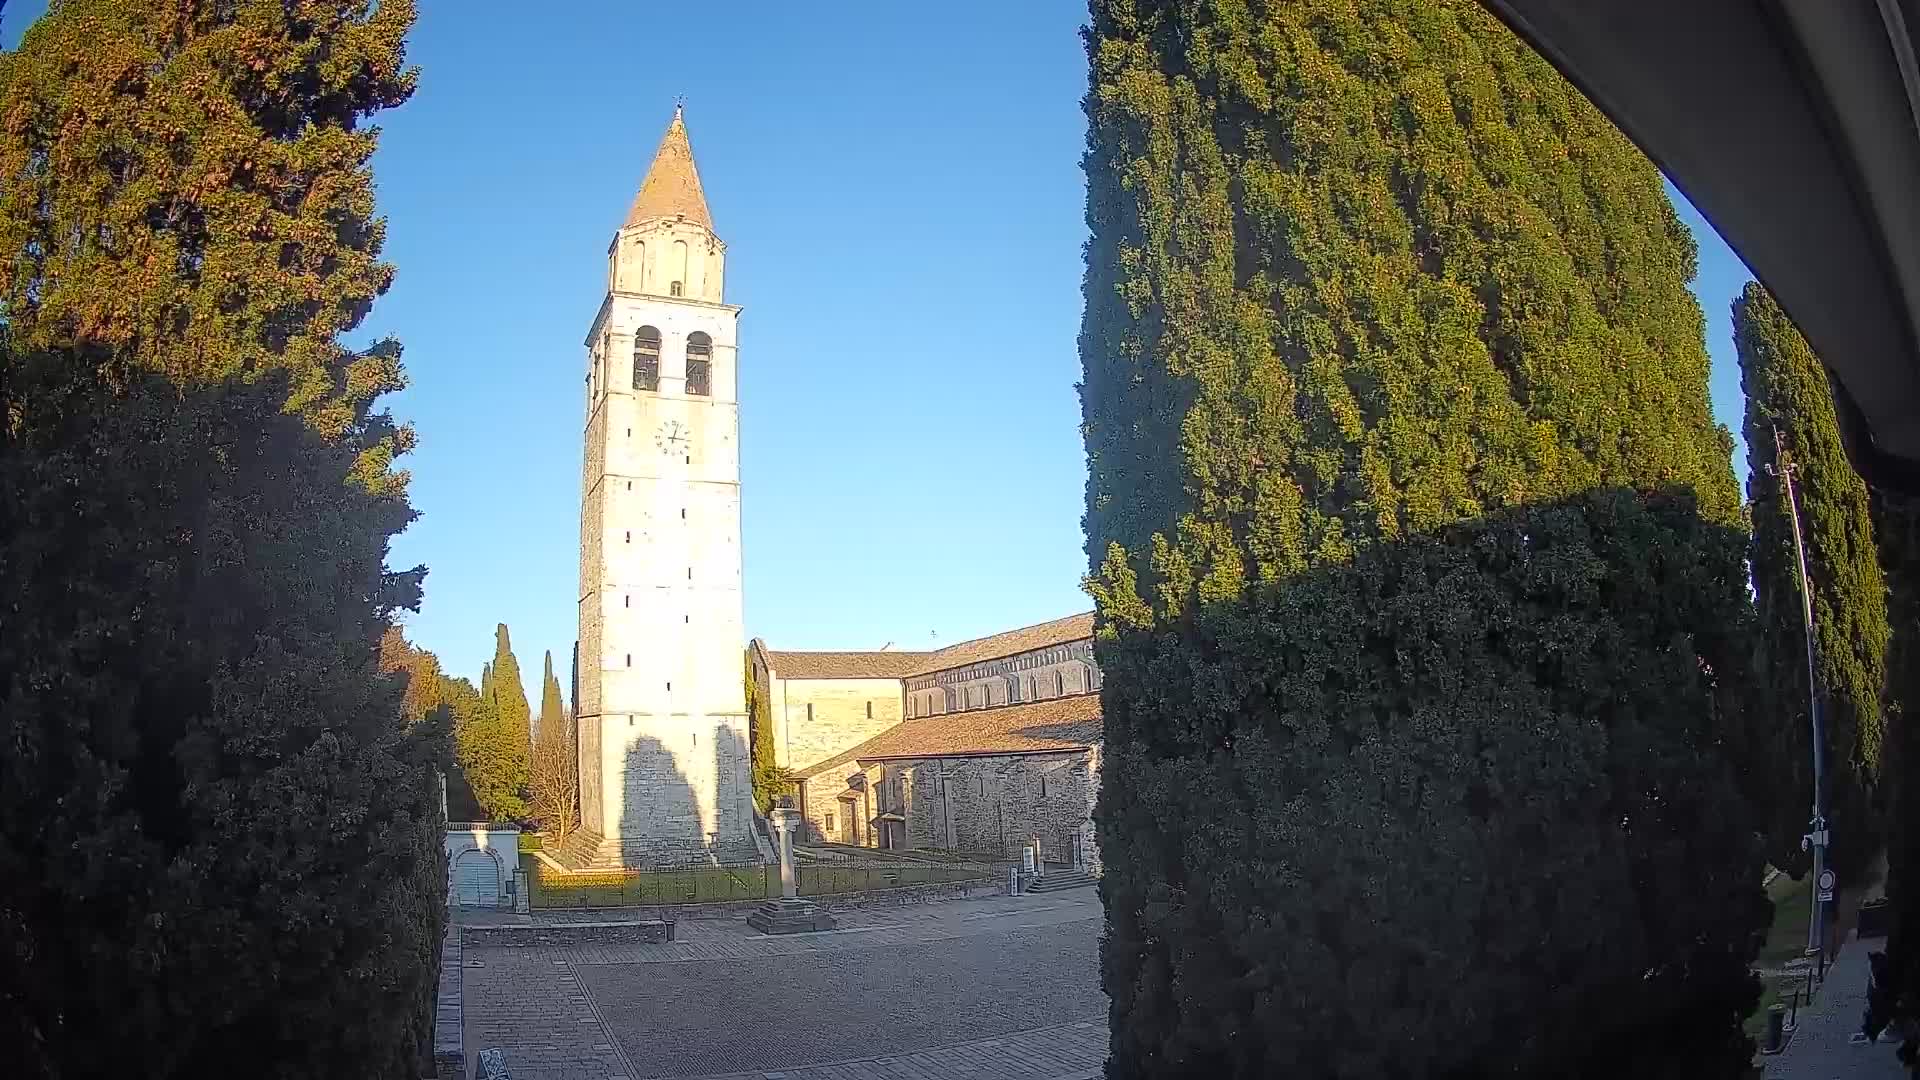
x=220 y=836
x=1787 y=393
x=1417 y=556
x=552 y=712
x=1896 y=525
x=509 y=693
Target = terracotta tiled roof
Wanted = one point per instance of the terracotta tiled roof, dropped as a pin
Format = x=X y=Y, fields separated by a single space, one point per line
x=1025 y=639
x=672 y=185
x=899 y=665
x=1068 y=723
x=844 y=665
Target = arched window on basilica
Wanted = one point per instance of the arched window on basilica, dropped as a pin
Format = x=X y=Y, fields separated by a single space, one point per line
x=646 y=358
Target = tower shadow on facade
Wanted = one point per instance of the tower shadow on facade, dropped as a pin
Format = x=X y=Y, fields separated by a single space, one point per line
x=661 y=816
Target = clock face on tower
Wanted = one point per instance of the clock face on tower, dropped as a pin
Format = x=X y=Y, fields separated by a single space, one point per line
x=671 y=438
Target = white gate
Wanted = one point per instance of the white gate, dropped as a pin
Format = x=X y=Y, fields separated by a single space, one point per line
x=476 y=880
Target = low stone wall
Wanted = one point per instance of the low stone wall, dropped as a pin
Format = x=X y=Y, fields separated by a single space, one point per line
x=449 y=1033
x=607 y=932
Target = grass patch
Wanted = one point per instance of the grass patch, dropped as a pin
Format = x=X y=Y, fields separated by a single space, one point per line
x=530 y=841
x=1792 y=913
x=1786 y=940
x=715 y=884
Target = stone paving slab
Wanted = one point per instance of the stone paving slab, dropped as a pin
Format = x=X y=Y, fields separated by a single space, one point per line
x=1005 y=990
x=780 y=1013
x=1822 y=1047
x=1065 y=1052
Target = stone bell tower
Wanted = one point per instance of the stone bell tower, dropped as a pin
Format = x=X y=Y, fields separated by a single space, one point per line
x=662 y=709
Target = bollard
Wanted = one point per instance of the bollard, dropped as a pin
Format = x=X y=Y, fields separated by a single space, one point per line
x=1776 y=1034
x=1793 y=1016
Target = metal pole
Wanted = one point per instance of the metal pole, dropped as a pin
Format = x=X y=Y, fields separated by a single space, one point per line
x=1816 y=839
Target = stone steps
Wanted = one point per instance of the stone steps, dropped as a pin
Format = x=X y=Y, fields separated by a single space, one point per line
x=1057 y=880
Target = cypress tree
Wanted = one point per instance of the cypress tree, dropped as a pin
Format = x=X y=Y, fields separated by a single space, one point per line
x=1417 y=559
x=769 y=779
x=1787 y=392
x=496 y=765
x=551 y=711
x=208 y=171
x=509 y=694
x=1896 y=996
x=220 y=838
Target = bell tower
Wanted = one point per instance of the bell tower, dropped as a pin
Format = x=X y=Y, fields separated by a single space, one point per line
x=662 y=726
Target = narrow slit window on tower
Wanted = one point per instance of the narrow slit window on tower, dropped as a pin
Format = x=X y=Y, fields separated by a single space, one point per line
x=699 y=364
x=629 y=538
x=869 y=710
x=646 y=359
x=683 y=513
x=629 y=659
x=674 y=289
x=626 y=601
x=1059 y=684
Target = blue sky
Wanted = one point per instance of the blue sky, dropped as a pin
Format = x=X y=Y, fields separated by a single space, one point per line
x=902 y=202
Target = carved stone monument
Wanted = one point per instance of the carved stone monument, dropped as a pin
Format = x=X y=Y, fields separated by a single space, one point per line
x=789 y=914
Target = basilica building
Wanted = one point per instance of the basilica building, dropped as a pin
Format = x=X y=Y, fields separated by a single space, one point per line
x=978 y=748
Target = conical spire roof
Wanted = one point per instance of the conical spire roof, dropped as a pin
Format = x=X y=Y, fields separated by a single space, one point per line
x=672 y=185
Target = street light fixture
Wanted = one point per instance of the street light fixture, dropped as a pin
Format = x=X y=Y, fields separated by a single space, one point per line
x=1817 y=838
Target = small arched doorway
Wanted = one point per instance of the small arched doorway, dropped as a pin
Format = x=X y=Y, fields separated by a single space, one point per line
x=476 y=879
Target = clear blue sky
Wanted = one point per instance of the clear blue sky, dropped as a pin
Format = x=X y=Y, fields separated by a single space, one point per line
x=901 y=197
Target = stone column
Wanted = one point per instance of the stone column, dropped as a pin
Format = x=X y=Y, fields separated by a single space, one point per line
x=784 y=819
x=789 y=913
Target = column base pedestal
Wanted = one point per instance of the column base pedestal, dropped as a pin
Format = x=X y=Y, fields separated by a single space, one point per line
x=789 y=915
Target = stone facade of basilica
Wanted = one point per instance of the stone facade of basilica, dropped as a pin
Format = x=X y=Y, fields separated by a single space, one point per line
x=978 y=748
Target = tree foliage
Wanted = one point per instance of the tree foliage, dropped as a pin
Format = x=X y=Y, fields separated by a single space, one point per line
x=1787 y=392
x=1359 y=273
x=221 y=839
x=1456 y=807
x=769 y=780
x=1896 y=524
x=554 y=786
x=493 y=760
x=509 y=693
x=422 y=671
x=190 y=184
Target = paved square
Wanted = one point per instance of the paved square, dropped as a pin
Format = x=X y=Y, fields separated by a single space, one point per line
x=987 y=989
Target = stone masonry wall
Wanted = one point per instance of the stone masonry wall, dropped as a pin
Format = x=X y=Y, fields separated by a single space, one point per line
x=814 y=719
x=989 y=805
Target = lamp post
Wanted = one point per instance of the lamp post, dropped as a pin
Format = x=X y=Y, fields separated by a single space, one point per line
x=1816 y=839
